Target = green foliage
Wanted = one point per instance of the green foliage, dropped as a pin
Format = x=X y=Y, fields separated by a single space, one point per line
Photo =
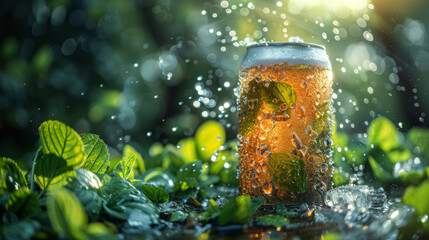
x=213 y=210
x=52 y=169
x=236 y=211
x=272 y=220
x=209 y=137
x=62 y=141
x=125 y=166
x=383 y=134
x=188 y=175
x=11 y=176
x=155 y=194
x=288 y=170
x=139 y=163
x=177 y=216
x=419 y=138
x=66 y=213
x=255 y=203
x=417 y=197
x=188 y=148
x=23 y=203
x=96 y=153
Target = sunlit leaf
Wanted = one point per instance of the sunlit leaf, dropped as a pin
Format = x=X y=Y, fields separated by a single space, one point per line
x=125 y=166
x=420 y=138
x=23 y=203
x=88 y=179
x=172 y=159
x=288 y=170
x=188 y=175
x=213 y=210
x=209 y=137
x=139 y=163
x=62 y=141
x=272 y=220
x=339 y=178
x=382 y=133
x=97 y=230
x=177 y=216
x=188 y=148
x=159 y=179
x=66 y=213
x=96 y=153
x=11 y=176
x=417 y=197
x=115 y=185
x=236 y=211
x=51 y=169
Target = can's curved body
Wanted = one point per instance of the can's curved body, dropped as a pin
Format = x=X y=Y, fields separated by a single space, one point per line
x=285 y=123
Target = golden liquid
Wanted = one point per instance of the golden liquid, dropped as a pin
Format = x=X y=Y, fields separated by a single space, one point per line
x=285 y=129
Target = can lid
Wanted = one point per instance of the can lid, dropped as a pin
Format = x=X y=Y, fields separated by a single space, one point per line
x=300 y=44
x=291 y=53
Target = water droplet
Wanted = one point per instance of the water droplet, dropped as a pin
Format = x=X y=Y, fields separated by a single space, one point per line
x=266 y=83
x=311 y=158
x=265 y=167
x=303 y=84
x=255 y=183
x=250 y=174
x=267 y=124
x=283 y=106
x=268 y=187
x=263 y=135
x=295 y=140
x=281 y=117
x=299 y=112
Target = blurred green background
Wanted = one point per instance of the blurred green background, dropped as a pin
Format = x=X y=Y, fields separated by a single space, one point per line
x=137 y=72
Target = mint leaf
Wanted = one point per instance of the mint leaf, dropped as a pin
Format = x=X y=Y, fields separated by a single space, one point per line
x=288 y=170
x=155 y=194
x=96 y=153
x=236 y=211
x=188 y=175
x=11 y=176
x=23 y=203
x=66 y=213
x=383 y=133
x=62 y=141
x=51 y=169
x=417 y=197
x=125 y=166
x=139 y=163
x=213 y=210
x=177 y=216
x=273 y=220
x=209 y=137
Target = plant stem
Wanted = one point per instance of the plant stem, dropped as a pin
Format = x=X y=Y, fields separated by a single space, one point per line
x=36 y=156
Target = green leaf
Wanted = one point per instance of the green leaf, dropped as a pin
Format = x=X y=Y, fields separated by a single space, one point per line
x=155 y=194
x=23 y=203
x=223 y=157
x=177 y=216
x=381 y=173
x=96 y=153
x=188 y=148
x=125 y=166
x=51 y=169
x=88 y=179
x=66 y=213
x=88 y=197
x=209 y=137
x=172 y=159
x=420 y=138
x=282 y=92
x=159 y=179
x=273 y=220
x=62 y=141
x=213 y=210
x=383 y=134
x=24 y=229
x=255 y=203
x=339 y=178
x=236 y=211
x=188 y=175
x=139 y=163
x=156 y=149
x=288 y=170
x=97 y=231
x=417 y=197
x=115 y=185
x=11 y=176
x=331 y=236
x=282 y=210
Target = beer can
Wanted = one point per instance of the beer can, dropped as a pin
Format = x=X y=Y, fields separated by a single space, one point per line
x=285 y=123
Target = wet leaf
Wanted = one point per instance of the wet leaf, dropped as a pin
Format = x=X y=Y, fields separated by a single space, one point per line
x=125 y=166
x=172 y=159
x=51 y=169
x=96 y=153
x=24 y=229
x=417 y=197
x=60 y=140
x=155 y=194
x=209 y=137
x=236 y=211
x=272 y=220
x=11 y=176
x=115 y=185
x=159 y=179
x=88 y=179
x=255 y=203
x=279 y=91
x=66 y=213
x=139 y=163
x=89 y=199
x=420 y=138
x=23 y=203
x=188 y=175
x=177 y=216
x=188 y=148
x=213 y=210
x=288 y=170
x=283 y=211
x=382 y=133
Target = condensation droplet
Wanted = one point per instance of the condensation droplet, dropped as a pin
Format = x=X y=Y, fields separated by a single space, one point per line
x=299 y=112
x=268 y=187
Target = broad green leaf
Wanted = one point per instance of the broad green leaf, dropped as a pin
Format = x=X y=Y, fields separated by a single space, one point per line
x=177 y=216
x=62 y=141
x=213 y=210
x=11 y=176
x=135 y=211
x=417 y=196
x=209 y=137
x=23 y=203
x=255 y=203
x=273 y=220
x=218 y=164
x=156 y=149
x=97 y=230
x=331 y=236
x=188 y=148
x=125 y=166
x=96 y=153
x=282 y=210
x=188 y=175
x=51 y=169
x=115 y=185
x=139 y=163
x=288 y=170
x=66 y=213
x=382 y=133
x=420 y=138
x=89 y=199
x=159 y=179
x=282 y=92
x=155 y=194
x=379 y=172
x=236 y=211
x=339 y=178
